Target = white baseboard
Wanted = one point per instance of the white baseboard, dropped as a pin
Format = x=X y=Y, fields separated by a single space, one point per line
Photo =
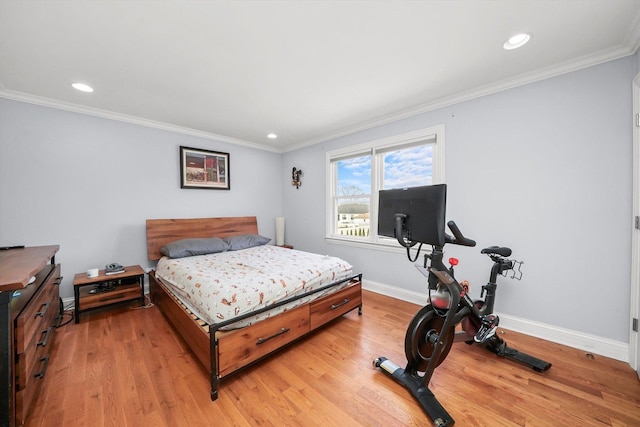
x=395 y=292
x=590 y=343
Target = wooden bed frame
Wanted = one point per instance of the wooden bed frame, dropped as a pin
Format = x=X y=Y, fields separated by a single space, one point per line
x=226 y=352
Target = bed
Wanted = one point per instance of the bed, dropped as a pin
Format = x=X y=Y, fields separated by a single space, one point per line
x=225 y=342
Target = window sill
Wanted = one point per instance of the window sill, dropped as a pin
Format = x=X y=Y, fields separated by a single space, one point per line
x=391 y=246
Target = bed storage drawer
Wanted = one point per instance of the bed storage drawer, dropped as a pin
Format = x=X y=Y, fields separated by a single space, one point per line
x=243 y=346
x=335 y=305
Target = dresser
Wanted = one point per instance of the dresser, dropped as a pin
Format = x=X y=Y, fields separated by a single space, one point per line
x=29 y=312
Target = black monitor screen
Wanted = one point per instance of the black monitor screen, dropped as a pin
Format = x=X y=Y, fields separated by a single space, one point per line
x=425 y=210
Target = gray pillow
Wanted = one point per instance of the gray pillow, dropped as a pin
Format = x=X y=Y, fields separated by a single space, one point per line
x=245 y=241
x=190 y=247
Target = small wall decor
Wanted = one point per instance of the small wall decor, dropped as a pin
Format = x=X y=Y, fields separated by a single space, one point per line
x=295 y=177
x=204 y=169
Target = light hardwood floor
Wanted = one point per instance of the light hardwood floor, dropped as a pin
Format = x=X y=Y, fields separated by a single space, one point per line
x=126 y=367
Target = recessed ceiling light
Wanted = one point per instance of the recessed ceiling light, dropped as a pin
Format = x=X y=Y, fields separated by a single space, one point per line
x=517 y=41
x=272 y=136
x=82 y=87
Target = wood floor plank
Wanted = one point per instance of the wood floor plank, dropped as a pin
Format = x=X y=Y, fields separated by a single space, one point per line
x=127 y=367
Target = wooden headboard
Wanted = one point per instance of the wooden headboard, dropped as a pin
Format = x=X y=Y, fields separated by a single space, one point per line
x=163 y=231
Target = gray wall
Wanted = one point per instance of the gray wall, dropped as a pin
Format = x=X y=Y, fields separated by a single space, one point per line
x=88 y=184
x=544 y=168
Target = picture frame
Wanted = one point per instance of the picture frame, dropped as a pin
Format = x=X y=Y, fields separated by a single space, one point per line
x=206 y=169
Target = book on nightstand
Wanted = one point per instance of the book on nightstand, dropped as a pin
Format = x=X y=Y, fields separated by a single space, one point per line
x=112 y=269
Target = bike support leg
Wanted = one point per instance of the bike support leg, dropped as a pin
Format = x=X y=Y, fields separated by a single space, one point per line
x=499 y=346
x=419 y=390
x=417 y=385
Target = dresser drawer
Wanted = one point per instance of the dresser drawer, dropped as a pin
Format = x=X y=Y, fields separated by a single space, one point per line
x=31 y=364
x=243 y=346
x=36 y=341
x=43 y=305
x=335 y=305
x=30 y=361
x=25 y=395
x=27 y=362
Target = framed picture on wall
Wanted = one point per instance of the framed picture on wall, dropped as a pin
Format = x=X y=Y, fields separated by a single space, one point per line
x=204 y=169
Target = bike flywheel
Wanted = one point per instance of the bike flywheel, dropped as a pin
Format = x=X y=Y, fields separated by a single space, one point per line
x=424 y=334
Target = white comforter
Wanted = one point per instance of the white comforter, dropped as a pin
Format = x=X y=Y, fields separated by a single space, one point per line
x=222 y=286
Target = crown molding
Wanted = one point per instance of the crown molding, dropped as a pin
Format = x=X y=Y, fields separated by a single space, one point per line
x=96 y=112
x=520 y=80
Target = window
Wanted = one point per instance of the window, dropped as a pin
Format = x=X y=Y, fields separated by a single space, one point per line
x=355 y=174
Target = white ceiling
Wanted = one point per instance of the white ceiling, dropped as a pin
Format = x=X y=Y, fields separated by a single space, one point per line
x=305 y=70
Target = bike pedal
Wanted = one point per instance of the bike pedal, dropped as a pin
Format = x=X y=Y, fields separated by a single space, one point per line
x=487 y=328
x=482 y=336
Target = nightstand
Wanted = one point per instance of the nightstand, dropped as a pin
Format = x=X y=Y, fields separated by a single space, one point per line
x=286 y=246
x=103 y=290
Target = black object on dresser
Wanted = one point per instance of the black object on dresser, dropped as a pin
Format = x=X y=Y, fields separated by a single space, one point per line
x=29 y=311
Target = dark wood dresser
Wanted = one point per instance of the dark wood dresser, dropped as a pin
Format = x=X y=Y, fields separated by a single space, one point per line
x=29 y=311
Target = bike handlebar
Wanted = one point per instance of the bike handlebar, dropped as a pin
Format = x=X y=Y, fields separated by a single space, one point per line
x=458 y=238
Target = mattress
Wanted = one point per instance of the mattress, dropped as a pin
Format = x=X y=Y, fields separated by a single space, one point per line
x=219 y=287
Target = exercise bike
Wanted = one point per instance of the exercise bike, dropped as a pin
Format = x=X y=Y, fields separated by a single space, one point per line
x=432 y=331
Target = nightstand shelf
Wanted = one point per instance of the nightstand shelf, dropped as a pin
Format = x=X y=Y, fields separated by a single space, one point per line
x=104 y=290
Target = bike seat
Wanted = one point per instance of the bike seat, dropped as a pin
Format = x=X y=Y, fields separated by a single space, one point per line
x=497 y=250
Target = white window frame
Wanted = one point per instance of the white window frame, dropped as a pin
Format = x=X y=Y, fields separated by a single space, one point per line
x=435 y=134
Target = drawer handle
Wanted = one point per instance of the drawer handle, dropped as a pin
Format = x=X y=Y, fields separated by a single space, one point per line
x=58 y=281
x=43 y=309
x=44 y=367
x=280 y=332
x=46 y=334
x=334 y=306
